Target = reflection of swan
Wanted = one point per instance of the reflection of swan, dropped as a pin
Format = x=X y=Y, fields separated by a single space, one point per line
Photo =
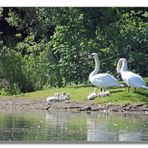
x=130 y=78
x=92 y=95
x=102 y=80
x=130 y=137
x=98 y=130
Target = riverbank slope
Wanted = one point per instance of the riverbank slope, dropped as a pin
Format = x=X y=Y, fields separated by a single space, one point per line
x=120 y=100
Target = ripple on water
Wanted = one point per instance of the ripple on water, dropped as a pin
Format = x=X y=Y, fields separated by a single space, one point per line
x=76 y=127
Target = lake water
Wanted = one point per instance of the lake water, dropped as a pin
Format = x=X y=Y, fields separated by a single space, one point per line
x=62 y=127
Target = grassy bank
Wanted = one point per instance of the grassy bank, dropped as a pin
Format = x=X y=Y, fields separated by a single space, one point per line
x=80 y=93
x=118 y=95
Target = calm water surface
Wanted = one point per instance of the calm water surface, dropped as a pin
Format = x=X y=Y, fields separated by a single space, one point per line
x=52 y=127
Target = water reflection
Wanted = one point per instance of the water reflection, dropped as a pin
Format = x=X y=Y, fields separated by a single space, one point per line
x=117 y=128
x=64 y=126
x=98 y=130
x=72 y=127
x=130 y=137
x=56 y=120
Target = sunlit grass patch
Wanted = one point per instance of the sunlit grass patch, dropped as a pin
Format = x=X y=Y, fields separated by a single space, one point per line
x=117 y=96
x=79 y=93
x=122 y=96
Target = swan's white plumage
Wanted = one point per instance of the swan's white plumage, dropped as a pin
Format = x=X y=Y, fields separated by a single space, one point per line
x=52 y=99
x=104 y=94
x=130 y=78
x=57 y=97
x=102 y=80
x=92 y=95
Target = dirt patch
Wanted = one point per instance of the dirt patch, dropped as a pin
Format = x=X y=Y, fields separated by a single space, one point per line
x=13 y=104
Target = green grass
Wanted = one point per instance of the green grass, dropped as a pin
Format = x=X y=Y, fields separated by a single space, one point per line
x=80 y=93
x=118 y=95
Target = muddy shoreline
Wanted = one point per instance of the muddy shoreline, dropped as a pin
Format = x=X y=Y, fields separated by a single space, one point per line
x=15 y=104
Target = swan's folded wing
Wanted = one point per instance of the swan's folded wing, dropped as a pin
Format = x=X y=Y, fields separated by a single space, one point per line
x=105 y=80
x=133 y=79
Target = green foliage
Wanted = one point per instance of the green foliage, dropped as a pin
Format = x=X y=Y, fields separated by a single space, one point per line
x=3 y=92
x=11 y=70
x=49 y=47
x=15 y=89
x=13 y=18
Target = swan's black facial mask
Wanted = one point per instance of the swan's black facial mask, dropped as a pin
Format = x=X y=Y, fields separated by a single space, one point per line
x=90 y=56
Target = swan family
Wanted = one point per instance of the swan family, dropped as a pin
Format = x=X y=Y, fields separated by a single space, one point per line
x=105 y=80
x=58 y=97
x=93 y=95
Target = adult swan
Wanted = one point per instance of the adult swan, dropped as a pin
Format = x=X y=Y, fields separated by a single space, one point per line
x=130 y=78
x=102 y=80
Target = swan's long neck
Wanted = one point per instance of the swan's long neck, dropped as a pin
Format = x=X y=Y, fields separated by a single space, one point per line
x=124 y=66
x=97 y=67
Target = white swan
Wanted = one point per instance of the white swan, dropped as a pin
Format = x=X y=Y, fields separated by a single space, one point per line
x=104 y=94
x=130 y=78
x=54 y=98
x=58 y=98
x=93 y=95
x=102 y=80
x=64 y=96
